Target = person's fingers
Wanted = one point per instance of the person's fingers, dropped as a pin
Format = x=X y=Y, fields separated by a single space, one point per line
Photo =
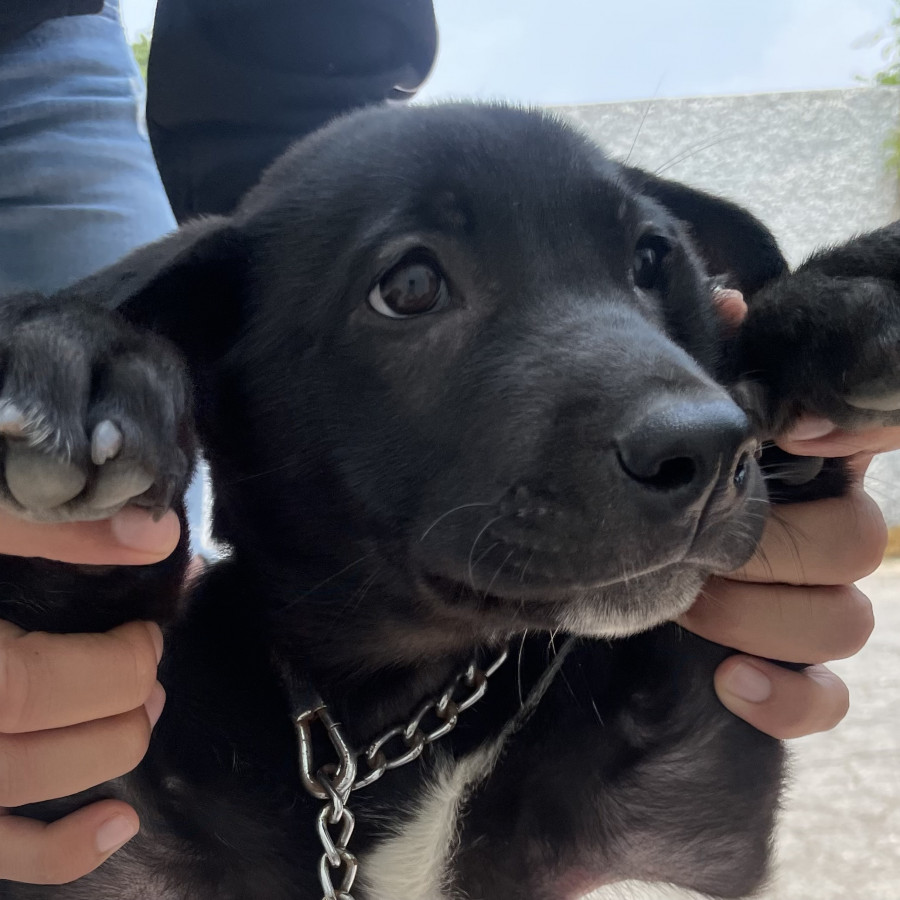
x=781 y=702
x=801 y=624
x=819 y=437
x=833 y=541
x=54 y=680
x=131 y=537
x=731 y=307
x=55 y=853
x=43 y=765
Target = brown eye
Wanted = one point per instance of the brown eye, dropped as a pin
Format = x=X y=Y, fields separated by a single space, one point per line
x=647 y=266
x=411 y=288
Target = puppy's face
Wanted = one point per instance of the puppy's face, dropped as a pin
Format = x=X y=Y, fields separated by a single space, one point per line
x=497 y=360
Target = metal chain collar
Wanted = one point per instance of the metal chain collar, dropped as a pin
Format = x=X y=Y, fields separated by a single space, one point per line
x=333 y=783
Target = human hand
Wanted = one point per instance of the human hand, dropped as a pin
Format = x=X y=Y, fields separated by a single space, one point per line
x=75 y=709
x=130 y=537
x=820 y=437
x=795 y=600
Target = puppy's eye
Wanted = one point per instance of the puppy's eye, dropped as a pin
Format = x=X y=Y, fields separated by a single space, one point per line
x=648 y=259
x=411 y=288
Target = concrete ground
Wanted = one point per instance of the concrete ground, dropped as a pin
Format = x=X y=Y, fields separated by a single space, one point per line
x=839 y=837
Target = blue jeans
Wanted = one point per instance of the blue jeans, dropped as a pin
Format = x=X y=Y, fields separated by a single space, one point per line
x=78 y=183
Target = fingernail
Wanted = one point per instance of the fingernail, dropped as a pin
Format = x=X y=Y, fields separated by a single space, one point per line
x=154 y=703
x=136 y=529
x=157 y=638
x=809 y=428
x=115 y=832
x=730 y=305
x=746 y=682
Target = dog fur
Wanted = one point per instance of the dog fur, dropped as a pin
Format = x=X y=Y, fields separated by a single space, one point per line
x=402 y=491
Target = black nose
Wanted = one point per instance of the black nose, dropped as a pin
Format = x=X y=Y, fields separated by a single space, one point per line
x=679 y=448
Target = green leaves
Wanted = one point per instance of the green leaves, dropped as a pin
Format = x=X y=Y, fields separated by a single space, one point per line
x=141 y=50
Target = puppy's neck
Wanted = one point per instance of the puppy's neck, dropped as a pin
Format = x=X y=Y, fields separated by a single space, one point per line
x=370 y=652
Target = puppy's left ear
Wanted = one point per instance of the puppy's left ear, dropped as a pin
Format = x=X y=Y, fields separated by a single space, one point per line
x=188 y=287
x=732 y=241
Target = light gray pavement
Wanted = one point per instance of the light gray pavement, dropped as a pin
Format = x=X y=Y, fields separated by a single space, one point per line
x=839 y=837
x=840 y=832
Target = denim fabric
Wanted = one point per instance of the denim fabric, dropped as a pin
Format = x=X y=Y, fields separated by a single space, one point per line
x=78 y=183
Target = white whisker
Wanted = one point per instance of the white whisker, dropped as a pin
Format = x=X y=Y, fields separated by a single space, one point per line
x=475 y=544
x=448 y=513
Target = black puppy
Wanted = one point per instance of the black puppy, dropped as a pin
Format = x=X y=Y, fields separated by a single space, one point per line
x=461 y=385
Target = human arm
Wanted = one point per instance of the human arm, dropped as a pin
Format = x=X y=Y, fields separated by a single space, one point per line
x=230 y=88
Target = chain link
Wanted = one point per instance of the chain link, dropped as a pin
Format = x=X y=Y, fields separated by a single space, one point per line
x=333 y=782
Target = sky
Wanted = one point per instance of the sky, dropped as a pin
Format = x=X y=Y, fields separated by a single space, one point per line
x=584 y=51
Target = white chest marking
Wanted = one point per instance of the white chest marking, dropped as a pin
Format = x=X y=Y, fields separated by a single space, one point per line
x=412 y=862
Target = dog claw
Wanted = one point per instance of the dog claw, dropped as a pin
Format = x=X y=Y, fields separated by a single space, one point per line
x=106 y=442
x=164 y=501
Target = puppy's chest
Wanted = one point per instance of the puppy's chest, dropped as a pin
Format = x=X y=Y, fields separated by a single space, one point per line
x=407 y=836
x=414 y=859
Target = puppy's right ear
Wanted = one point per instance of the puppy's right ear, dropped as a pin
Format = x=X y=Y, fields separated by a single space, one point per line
x=188 y=287
x=731 y=240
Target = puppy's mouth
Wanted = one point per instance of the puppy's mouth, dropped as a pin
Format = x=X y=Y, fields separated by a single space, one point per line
x=591 y=580
x=610 y=608
x=523 y=572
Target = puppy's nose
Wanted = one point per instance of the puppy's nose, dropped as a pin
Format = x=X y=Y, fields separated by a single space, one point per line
x=678 y=449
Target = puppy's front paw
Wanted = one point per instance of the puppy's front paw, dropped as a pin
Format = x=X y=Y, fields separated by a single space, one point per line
x=828 y=346
x=93 y=413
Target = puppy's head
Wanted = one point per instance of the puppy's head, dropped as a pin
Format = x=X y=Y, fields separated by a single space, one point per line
x=460 y=349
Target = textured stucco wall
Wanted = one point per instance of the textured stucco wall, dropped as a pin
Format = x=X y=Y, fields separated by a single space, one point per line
x=812 y=165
